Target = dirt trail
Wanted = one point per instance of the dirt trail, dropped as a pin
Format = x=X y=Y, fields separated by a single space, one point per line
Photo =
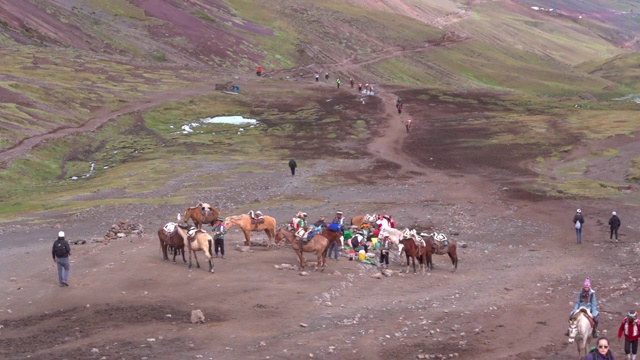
x=101 y=117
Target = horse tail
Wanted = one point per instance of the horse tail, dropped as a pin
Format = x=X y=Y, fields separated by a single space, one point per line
x=210 y=241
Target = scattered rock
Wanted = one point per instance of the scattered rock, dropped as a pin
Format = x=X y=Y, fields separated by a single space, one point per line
x=197 y=316
x=95 y=351
x=377 y=276
x=304 y=273
x=243 y=248
x=463 y=245
x=124 y=229
x=303 y=325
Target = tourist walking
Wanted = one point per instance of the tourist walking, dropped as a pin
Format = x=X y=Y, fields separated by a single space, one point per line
x=351 y=82
x=614 y=225
x=631 y=330
x=293 y=165
x=602 y=351
x=338 y=83
x=317 y=77
x=218 y=236
x=61 y=252
x=578 y=223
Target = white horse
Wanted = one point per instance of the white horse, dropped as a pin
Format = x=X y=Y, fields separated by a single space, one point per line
x=580 y=331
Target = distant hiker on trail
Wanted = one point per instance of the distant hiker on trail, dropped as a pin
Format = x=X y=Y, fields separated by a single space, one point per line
x=293 y=165
x=351 y=82
x=317 y=77
x=398 y=101
x=60 y=253
x=408 y=125
x=259 y=72
x=614 y=224
x=399 y=107
x=326 y=76
x=338 y=83
x=359 y=87
x=578 y=221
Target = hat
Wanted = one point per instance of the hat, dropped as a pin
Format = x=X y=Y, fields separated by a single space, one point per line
x=578 y=211
x=387 y=217
x=300 y=213
x=587 y=283
x=304 y=214
x=614 y=213
x=339 y=212
x=632 y=314
x=61 y=234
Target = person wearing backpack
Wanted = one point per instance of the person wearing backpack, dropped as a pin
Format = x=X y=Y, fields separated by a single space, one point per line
x=630 y=327
x=614 y=225
x=601 y=352
x=61 y=252
x=578 y=222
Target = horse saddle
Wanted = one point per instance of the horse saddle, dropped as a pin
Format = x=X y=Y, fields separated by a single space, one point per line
x=169 y=228
x=440 y=246
x=257 y=221
x=191 y=234
x=586 y=313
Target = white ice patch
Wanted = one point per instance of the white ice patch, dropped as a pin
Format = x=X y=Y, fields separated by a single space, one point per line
x=188 y=128
x=630 y=97
x=233 y=120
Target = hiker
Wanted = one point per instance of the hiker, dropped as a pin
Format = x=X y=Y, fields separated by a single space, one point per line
x=631 y=330
x=61 y=252
x=385 y=247
x=218 y=236
x=293 y=165
x=359 y=87
x=601 y=352
x=317 y=77
x=351 y=82
x=326 y=76
x=578 y=222
x=408 y=125
x=614 y=225
x=259 y=72
x=587 y=298
x=399 y=107
x=338 y=83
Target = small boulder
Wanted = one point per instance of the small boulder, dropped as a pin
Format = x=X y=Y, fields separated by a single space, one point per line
x=304 y=273
x=377 y=276
x=197 y=316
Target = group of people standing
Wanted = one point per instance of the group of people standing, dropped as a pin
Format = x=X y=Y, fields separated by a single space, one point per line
x=578 y=223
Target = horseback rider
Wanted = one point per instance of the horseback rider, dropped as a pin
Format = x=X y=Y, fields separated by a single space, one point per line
x=321 y=223
x=587 y=299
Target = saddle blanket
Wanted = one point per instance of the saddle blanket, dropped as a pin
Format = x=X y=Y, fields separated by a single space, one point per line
x=169 y=228
x=257 y=221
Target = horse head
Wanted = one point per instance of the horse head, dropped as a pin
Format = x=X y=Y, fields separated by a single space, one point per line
x=228 y=223
x=573 y=331
x=279 y=236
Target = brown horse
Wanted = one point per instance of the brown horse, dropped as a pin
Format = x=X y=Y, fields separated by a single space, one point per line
x=332 y=236
x=361 y=219
x=412 y=251
x=435 y=247
x=246 y=225
x=195 y=213
x=318 y=244
x=200 y=240
x=172 y=235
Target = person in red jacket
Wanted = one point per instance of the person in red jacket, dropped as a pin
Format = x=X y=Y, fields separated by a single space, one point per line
x=631 y=329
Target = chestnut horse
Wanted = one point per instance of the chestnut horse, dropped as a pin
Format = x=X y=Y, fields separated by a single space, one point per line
x=361 y=219
x=200 y=240
x=413 y=251
x=332 y=236
x=244 y=222
x=195 y=213
x=318 y=244
x=433 y=247
x=172 y=235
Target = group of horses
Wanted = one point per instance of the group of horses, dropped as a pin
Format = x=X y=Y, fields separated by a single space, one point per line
x=179 y=237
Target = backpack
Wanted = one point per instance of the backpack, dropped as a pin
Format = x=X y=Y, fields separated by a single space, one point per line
x=60 y=249
x=578 y=225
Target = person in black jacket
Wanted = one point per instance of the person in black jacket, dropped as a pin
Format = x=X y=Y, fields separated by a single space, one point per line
x=61 y=252
x=614 y=224
x=293 y=165
x=578 y=221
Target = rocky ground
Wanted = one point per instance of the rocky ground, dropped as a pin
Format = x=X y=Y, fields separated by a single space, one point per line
x=509 y=298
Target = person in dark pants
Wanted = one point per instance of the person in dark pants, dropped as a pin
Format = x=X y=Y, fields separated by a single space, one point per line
x=293 y=165
x=218 y=237
x=385 y=247
x=614 y=224
x=578 y=222
x=631 y=330
x=61 y=252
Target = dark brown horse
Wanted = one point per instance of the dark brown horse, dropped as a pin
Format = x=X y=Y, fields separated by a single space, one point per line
x=440 y=248
x=203 y=213
x=332 y=236
x=413 y=251
x=317 y=244
x=172 y=235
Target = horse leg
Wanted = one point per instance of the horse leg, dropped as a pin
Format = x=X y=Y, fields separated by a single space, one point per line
x=175 y=252
x=207 y=253
x=454 y=260
x=163 y=247
x=407 y=254
x=190 y=251
x=268 y=232
x=413 y=260
x=195 y=255
x=301 y=259
x=247 y=237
